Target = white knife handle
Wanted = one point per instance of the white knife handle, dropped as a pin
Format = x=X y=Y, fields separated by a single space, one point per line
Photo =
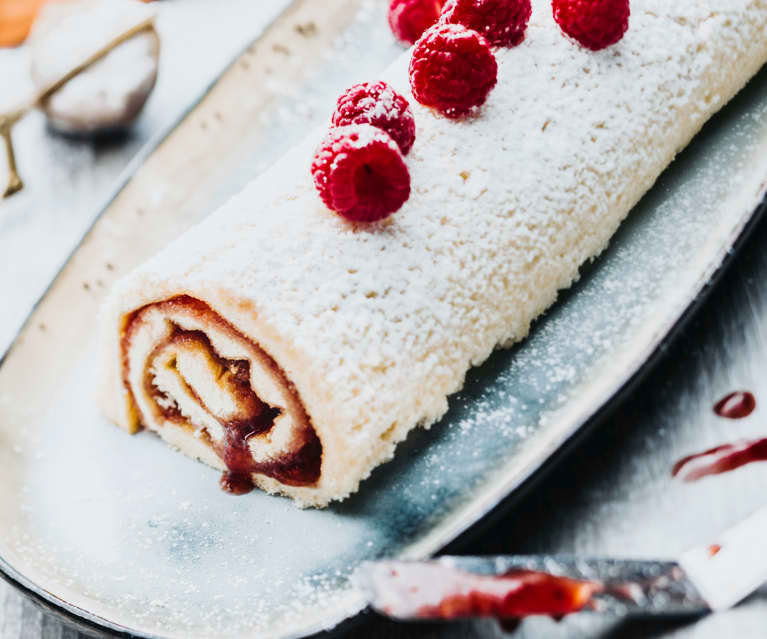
x=729 y=570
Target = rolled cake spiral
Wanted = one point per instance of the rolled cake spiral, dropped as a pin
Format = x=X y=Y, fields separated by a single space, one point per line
x=188 y=367
x=294 y=349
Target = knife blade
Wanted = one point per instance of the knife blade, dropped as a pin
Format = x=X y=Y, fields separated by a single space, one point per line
x=707 y=578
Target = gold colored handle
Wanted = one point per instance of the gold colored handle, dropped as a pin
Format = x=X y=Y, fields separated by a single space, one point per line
x=6 y=124
x=7 y=120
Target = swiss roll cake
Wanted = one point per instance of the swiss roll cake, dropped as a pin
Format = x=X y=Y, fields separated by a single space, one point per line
x=293 y=349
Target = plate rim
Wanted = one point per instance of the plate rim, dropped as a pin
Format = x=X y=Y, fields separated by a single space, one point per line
x=489 y=505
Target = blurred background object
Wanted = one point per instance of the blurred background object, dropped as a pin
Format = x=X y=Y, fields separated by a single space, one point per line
x=109 y=93
x=93 y=64
x=16 y=18
x=69 y=178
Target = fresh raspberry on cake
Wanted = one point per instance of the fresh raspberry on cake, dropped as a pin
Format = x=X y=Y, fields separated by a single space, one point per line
x=594 y=24
x=380 y=105
x=360 y=173
x=452 y=69
x=501 y=22
x=408 y=19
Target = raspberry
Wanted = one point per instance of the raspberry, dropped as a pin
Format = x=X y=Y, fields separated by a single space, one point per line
x=408 y=19
x=380 y=105
x=595 y=24
x=452 y=69
x=360 y=173
x=502 y=22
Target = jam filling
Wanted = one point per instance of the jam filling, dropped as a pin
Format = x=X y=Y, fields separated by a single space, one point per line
x=300 y=467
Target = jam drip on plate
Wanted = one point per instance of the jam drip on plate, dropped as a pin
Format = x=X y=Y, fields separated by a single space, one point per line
x=736 y=405
x=727 y=457
x=721 y=459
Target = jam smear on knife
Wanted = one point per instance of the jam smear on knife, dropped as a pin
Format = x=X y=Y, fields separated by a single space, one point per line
x=441 y=592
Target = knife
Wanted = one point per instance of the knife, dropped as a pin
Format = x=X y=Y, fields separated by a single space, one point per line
x=711 y=577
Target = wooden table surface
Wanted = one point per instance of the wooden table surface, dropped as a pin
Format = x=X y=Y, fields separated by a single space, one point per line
x=610 y=494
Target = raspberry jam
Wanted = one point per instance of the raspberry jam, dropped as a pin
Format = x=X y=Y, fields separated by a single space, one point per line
x=299 y=466
x=433 y=591
x=736 y=405
x=528 y=593
x=235 y=452
x=721 y=459
x=727 y=457
x=236 y=483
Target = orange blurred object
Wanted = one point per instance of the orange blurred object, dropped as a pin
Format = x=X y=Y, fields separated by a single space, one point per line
x=16 y=18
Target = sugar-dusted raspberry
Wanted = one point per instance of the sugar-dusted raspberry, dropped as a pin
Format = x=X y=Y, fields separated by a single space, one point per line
x=360 y=173
x=380 y=105
x=502 y=22
x=408 y=19
x=595 y=24
x=452 y=69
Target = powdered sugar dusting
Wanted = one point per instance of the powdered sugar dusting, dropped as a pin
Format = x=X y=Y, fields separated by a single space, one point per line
x=506 y=205
x=144 y=537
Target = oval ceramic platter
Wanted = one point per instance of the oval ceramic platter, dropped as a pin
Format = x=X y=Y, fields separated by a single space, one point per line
x=124 y=533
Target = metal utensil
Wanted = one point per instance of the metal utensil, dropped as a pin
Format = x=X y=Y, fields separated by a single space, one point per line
x=706 y=578
x=9 y=119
